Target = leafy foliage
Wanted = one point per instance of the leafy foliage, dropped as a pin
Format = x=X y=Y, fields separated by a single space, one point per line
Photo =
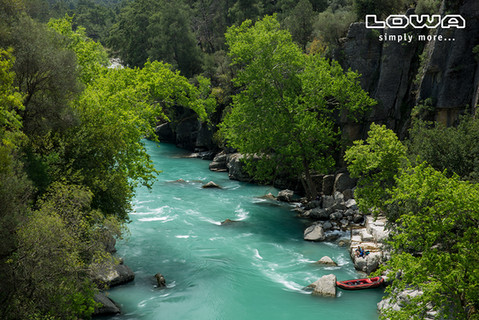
x=284 y=115
x=453 y=148
x=375 y=162
x=434 y=243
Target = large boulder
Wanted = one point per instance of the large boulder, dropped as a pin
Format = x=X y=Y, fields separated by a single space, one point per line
x=107 y=306
x=318 y=213
x=325 y=286
x=343 y=182
x=236 y=168
x=285 y=195
x=369 y=263
x=327 y=261
x=113 y=275
x=314 y=233
x=219 y=162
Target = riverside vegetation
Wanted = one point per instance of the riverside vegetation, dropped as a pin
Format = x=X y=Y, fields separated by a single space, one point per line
x=71 y=153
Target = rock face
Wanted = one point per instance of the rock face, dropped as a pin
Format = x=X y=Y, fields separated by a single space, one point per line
x=108 y=306
x=187 y=131
x=314 y=233
x=235 y=168
x=450 y=76
x=447 y=72
x=325 y=286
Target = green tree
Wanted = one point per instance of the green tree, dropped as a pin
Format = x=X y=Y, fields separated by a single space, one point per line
x=375 y=162
x=453 y=148
x=91 y=56
x=283 y=118
x=332 y=25
x=434 y=244
x=300 y=23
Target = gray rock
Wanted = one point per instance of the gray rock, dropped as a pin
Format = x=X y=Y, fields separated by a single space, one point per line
x=327 y=261
x=285 y=195
x=351 y=204
x=367 y=264
x=312 y=204
x=348 y=213
x=358 y=218
x=236 y=168
x=327 y=226
x=325 y=286
x=314 y=233
x=348 y=194
x=114 y=275
x=319 y=214
x=338 y=196
x=343 y=181
x=337 y=215
x=328 y=184
x=211 y=185
x=108 y=306
x=328 y=201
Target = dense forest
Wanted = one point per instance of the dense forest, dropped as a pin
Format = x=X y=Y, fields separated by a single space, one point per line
x=261 y=75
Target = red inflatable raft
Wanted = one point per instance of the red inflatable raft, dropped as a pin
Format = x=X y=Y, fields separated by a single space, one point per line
x=357 y=284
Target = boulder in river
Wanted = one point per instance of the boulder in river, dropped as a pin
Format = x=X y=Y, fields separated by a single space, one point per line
x=314 y=233
x=285 y=195
x=211 y=185
x=325 y=286
x=327 y=261
x=107 y=306
x=114 y=275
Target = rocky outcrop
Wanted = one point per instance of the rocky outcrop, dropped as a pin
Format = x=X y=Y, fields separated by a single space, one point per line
x=371 y=239
x=113 y=275
x=325 y=286
x=219 y=163
x=285 y=195
x=403 y=74
x=186 y=131
x=107 y=306
x=449 y=76
x=314 y=232
x=235 y=167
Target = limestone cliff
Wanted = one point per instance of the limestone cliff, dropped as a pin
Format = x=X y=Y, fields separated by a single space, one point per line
x=403 y=74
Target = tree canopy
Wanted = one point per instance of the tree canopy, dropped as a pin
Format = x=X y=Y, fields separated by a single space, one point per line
x=283 y=118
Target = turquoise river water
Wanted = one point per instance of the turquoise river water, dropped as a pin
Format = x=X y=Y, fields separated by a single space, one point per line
x=255 y=268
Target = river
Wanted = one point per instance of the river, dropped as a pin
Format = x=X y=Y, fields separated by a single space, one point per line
x=254 y=268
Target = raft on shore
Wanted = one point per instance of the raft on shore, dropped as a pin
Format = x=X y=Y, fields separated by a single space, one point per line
x=358 y=284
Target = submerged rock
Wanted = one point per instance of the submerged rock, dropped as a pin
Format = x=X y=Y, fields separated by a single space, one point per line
x=211 y=185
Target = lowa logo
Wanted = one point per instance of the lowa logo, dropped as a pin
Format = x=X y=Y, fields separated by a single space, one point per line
x=397 y=21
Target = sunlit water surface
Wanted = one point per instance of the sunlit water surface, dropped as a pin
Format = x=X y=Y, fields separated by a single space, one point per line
x=255 y=268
